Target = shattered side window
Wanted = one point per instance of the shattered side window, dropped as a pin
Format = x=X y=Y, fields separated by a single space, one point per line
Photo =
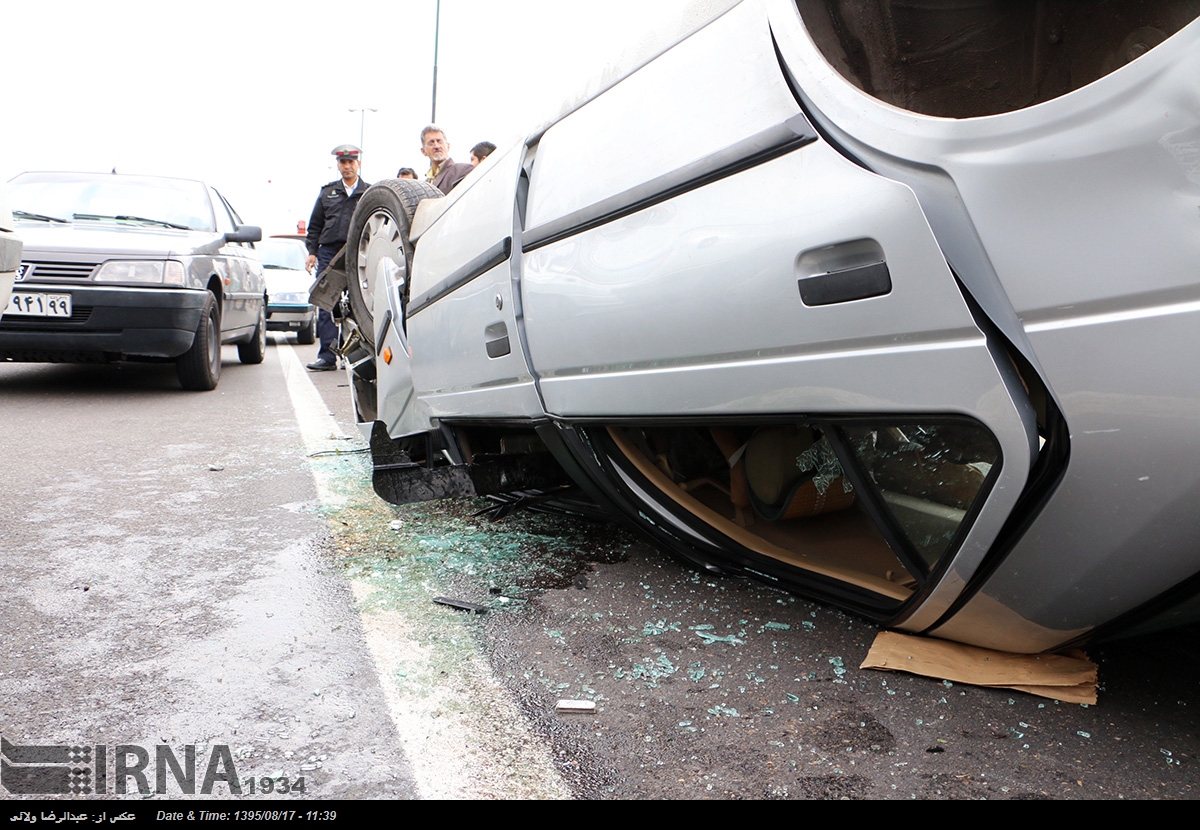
x=873 y=504
x=929 y=477
x=791 y=472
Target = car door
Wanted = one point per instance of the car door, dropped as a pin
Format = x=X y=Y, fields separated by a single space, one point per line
x=244 y=284
x=463 y=315
x=676 y=269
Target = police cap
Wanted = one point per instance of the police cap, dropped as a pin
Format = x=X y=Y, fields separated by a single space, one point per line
x=346 y=151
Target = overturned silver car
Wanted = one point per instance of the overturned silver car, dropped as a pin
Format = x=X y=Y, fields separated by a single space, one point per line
x=892 y=304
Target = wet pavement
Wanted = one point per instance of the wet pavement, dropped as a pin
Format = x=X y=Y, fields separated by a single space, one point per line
x=167 y=581
x=726 y=688
x=215 y=571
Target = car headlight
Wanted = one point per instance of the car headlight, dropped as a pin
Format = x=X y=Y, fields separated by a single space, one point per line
x=168 y=272
x=291 y=298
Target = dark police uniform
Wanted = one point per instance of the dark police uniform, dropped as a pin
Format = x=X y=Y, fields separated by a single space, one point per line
x=330 y=220
x=327 y=229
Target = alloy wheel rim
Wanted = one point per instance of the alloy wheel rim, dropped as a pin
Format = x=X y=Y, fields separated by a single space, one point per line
x=380 y=256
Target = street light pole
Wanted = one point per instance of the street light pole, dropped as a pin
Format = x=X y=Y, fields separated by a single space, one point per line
x=437 y=19
x=362 y=123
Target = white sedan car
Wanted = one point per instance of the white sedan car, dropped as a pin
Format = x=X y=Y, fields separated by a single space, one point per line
x=288 y=308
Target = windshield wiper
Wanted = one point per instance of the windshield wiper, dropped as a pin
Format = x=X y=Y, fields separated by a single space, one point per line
x=24 y=214
x=141 y=219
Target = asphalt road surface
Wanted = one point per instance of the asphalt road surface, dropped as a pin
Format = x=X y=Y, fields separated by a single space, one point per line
x=212 y=570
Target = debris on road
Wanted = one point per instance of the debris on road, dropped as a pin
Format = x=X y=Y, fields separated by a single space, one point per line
x=460 y=604
x=1071 y=678
x=575 y=706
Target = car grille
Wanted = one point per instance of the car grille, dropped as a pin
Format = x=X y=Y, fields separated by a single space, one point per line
x=60 y=270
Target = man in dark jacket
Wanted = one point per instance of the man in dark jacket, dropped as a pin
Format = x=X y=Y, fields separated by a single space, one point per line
x=444 y=172
x=327 y=229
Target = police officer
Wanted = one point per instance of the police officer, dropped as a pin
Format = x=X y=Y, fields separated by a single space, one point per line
x=327 y=229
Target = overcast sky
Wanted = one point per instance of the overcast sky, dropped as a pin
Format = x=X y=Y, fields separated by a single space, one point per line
x=251 y=95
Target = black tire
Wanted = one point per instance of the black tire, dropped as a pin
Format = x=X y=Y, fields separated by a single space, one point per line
x=308 y=335
x=377 y=242
x=199 y=368
x=255 y=349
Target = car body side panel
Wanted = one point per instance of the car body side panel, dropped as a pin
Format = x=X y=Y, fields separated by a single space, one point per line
x=481 y=216
x=399 y=409
x=236 y=264
x=1087 y=211
x=245 y=290
x=468 y=360
x=710 y=279
x=1123 y=525
x=692 y=307
x=718 y=90
x=452 y=371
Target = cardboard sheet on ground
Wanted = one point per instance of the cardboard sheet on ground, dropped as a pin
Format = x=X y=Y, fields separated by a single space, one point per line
x=1067 y=677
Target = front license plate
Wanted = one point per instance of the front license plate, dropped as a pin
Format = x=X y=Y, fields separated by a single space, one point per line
x=23 y=304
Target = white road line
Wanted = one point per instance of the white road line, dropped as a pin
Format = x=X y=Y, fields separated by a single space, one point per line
x=319 y=428
x=464 y=738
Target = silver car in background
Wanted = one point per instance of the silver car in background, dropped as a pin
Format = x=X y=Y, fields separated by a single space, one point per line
x=132 y=268
x=893 y=304
x=288 y=308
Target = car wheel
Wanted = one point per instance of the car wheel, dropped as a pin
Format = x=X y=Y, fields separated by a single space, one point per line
x=199 y=368
x=255 y=349
x=377 y=245
x=308 y=335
